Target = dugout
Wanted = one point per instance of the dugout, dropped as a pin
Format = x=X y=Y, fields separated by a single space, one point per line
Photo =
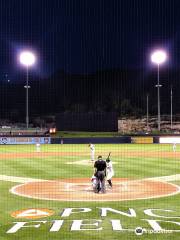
x=100 y=122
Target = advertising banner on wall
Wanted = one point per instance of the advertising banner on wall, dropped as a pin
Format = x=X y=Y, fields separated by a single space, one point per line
x=169 y=140
x=142 y=140
x=25 y=140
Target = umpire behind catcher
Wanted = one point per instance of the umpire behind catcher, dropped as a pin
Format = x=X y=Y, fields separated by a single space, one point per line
x=100 y=174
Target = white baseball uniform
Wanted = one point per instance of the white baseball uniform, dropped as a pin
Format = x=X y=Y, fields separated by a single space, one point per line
x=109 y=170
x=38 y=147
x=174 y=147
x=94 y=182
x=92 y=149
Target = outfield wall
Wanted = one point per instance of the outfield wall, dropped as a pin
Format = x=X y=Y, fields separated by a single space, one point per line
x=88 y=140
x=25 y=140
x=123 y=139
x=116 y=140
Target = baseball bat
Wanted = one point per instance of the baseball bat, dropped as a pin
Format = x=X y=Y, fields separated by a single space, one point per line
x=109 y=155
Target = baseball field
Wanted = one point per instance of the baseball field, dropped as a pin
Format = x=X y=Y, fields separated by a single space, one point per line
x=48 y=194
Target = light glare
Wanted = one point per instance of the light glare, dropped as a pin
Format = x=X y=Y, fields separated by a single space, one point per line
x=27 y=58
x=158 y=57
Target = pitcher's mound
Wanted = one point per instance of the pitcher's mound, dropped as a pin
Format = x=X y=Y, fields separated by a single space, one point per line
x=81 y=190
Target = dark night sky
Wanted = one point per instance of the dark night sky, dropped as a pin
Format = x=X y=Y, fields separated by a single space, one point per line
x=92 y=54
x=83 y=36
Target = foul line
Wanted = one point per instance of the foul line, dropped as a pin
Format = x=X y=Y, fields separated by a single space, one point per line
x=7 y=178
x=175 y=177
x=19 y=179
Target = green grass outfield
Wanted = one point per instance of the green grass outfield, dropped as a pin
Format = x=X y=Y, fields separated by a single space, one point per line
x=55 y=167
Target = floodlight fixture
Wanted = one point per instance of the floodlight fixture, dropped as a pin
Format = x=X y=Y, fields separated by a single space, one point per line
x=159 y=56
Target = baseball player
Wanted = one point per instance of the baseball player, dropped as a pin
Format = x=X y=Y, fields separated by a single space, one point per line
x=100 y=174
x=174 y=147
x=38 y=147
x=92 y=151
x=94 y=182
x=109 y=171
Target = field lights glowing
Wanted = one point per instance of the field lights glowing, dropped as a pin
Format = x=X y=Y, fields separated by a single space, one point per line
x=158 y=57
x=27 y=58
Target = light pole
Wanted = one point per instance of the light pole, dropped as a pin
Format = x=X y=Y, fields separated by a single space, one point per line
x=171 y=106
x=27 y=59
x=158 y=57
x=147 y=111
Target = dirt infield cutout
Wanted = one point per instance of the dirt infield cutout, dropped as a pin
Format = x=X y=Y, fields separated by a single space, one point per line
x=81 y=190
x=84 y=162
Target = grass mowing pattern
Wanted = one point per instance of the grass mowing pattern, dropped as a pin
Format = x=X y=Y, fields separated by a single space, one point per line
x=55 y=168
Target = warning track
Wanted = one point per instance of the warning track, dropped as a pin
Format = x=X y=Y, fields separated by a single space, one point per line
x=130 y=154
x=81 y=190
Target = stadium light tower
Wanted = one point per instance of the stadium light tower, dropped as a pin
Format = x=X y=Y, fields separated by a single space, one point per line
x=158 y=57
x=27 y=59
